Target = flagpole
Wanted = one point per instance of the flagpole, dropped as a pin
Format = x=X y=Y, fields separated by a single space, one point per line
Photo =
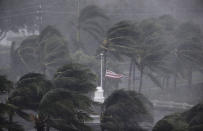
x=101 y=70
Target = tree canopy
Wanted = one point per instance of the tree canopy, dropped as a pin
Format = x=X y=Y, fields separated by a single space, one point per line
x=124 y=110
x=41 y=54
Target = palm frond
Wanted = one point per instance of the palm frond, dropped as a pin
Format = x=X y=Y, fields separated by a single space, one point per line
x=91 y=12
x=154 y=79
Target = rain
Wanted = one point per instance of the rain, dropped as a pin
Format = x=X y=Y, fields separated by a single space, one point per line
x=101 y=65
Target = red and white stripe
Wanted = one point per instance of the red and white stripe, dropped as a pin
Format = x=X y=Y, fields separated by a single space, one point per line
x=112 y=74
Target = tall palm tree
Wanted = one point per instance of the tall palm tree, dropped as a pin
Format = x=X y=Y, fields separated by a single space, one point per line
x=190 y=47
x=41 y=54
x=139 y=42
x=150 y=50
x=52 y=49
x=89 y=21
x=119 y=42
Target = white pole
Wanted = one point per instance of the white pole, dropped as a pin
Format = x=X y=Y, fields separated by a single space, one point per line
x=101 y=70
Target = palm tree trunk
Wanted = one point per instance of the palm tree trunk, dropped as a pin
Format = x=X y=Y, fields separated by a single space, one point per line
x=141 y=77
x=167 y=82
x=130 y=74
x=47 y=128
x=133 y=76
x=44 y=69
x=40 y=126
x=163 y=82
x=13 y=62
x=10 y=120
x=116 y=84
x=190 y=77
x=175 y=80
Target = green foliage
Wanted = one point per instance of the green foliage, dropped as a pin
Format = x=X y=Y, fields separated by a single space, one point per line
x=84 y=59
x=123 y=110
x=5 y=85
x=90 y=21
x=157 y=47
x=66 y=107
x=29 y=91
x=92 y=12
x=63 y=106
x=119 y=39
x=75 y=77
x=5 y=123
x=190 y=43
x=141 y=42
x=167 y=22
x=171 y=123
x=43 y=53
x=190 y=120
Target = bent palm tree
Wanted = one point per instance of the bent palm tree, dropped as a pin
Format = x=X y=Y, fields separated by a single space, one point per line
x=75 y=77
x=119 y=42
x=6 y=123
x=190 y=48
x=124 y=110
x=88 y=20
x=64 y=106
x=139 y=42
x=66 y=110
x=28 y=92
x=41 y=54
x=7 y=110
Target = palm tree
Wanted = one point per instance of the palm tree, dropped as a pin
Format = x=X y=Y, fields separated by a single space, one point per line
x=64 y=106
x=119 y=42
x=29 y=90
x=189 y=49
x=66 y=110
x=88 y=20
x=8 y=110
x=41 y=54
x=75 y=77
x=28 y=93
x=139 y=42
x=124 y=110
x=150 y=51
x=52 y=49
x=7 y=123
x=5 y=85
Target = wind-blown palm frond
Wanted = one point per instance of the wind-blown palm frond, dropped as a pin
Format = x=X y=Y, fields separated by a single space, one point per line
x=29 y=91
x=90 y=12
x=120 y=39
x=90 y=21
x=123 y=108
x=40 y=53
x=5 y=85
x=5 y=109
x=75 y=77
x=68 y=107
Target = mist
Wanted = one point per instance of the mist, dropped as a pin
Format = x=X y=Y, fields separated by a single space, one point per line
x=101 y=65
